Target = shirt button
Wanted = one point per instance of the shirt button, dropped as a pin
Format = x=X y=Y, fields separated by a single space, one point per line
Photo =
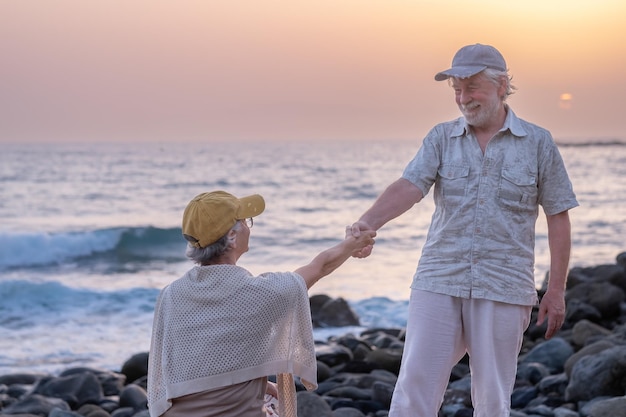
x=478 y=230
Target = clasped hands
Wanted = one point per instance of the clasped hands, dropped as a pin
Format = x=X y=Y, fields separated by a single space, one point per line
x=356 y=230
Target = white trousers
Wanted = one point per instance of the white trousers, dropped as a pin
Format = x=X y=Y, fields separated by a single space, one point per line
x=440 y=330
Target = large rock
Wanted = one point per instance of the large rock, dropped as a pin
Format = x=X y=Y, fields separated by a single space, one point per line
x=584 y=331
x=388 y=359
x=135 y=367
x=37 y=405
x=312 y=405
x=606 y=369
x=603 y=296
x=133 y=396
x=333 y=354
x=75 y=389
x=592 y=349
x=578 y=310
x=611 y=407
x=552 y=354
x=332 y=312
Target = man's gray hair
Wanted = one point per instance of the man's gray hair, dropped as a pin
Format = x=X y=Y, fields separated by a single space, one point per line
x=202 y=256
x=495 y=76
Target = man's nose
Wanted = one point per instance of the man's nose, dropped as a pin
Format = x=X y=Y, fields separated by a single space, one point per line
x=464 y=97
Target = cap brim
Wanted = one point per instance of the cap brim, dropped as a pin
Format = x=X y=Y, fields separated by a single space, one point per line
x=459 y=72
x=250 y=206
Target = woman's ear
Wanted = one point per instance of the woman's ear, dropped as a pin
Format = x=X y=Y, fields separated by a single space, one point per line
x=232 y=238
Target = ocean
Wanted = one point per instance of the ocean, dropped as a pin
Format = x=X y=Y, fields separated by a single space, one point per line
x=89 y=233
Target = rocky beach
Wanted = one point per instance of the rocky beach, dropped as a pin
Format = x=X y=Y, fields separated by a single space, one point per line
x=581 y=372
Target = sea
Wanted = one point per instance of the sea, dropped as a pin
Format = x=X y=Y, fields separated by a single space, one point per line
x=89 y=233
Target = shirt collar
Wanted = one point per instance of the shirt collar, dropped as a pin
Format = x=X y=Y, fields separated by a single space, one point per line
x=511 y=123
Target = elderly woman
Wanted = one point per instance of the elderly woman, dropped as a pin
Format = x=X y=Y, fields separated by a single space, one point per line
x=219 y=331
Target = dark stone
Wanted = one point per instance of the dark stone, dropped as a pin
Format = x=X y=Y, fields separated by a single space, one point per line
x=312 y=405
x=522 y=396
x=552 y=353
x=123 y=412
x=135 y=367
x=591 y=349
x=24 y=379
x=346 y=391
x=613 y=407
x=328 y=385
x=554 y=384
x=532 y=372
x=333 y=354
x=347 y=412
x=578 y=310
x=62 y=413
x=365 y=406
x=358 y=367
x=603 y=296
x=459 y=398
x=323 y=371
x=75 y=389
x=606 y=369
x=133 y=396
x=92 y=410
x=584 y=330
x=335 y=312
x=37 y=405
x=388 y=359
x=459 y=371
x=382 y=392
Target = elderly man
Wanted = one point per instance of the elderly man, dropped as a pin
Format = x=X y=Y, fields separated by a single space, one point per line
x=219 y=331
x=474 y=287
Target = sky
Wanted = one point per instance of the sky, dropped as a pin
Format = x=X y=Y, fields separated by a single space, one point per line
x=251 y=70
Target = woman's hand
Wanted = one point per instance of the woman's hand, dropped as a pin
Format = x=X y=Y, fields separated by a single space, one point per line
x=271 y=389
x=356 y=230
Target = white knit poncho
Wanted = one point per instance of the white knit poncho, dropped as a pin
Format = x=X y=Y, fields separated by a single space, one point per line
x=219 y=325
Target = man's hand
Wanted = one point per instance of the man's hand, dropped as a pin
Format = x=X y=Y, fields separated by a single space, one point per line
x=355 y=230
x=552 y=307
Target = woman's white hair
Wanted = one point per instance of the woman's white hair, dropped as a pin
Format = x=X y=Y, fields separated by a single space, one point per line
x=205 y=255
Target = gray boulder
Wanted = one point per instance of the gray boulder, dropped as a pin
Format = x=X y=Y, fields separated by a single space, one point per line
x=552 y=353
x=603 y=374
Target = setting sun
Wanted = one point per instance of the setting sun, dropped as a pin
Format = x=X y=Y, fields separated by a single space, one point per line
x=565 y=101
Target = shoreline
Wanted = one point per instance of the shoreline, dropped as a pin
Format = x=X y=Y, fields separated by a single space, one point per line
x=579 y=372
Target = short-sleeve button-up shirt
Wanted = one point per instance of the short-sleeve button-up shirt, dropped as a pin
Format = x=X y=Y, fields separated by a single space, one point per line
x=482 y=236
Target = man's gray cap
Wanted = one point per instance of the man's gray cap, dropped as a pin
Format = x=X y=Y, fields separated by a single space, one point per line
x=472 y=59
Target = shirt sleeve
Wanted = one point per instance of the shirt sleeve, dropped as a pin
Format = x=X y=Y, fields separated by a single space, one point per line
x=556 y=193
x=421 y=171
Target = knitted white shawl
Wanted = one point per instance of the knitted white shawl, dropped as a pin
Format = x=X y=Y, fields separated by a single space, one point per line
x=218 y=325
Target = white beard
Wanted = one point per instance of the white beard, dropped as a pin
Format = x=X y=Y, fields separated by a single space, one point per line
x=480 y=115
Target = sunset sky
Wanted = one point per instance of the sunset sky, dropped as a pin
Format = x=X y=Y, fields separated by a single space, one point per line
x=110 y=70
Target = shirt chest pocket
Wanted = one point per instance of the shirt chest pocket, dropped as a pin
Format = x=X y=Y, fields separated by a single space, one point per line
x=518 y=190
x=453 y=180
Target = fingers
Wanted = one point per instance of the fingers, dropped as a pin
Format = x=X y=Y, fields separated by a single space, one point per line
x=364 y=237
x=555 y=318
x=555 y=322
x=363 y=252
x=353 y=230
